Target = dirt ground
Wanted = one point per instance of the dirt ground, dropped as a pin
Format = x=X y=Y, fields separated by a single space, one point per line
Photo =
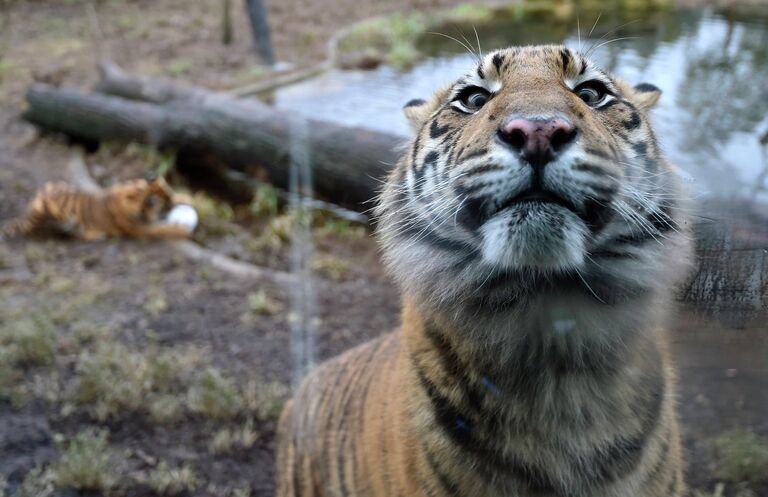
x=225 y=336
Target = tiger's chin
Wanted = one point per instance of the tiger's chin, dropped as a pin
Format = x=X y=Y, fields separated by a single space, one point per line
x=535 y=236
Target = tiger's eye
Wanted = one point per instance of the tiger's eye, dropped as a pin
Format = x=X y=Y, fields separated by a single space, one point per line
x=589 y=95
x=593 y=93
x=470 y=99
x=477 y=100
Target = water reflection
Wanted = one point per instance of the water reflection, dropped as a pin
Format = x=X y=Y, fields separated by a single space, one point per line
x=713 y=70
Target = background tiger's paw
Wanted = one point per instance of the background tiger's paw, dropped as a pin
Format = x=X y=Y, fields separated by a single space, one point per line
x=183 y=215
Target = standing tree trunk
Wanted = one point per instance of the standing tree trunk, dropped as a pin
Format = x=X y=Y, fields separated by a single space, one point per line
x=258 y=17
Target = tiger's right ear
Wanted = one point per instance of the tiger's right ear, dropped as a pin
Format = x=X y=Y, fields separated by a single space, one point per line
x=417 y=111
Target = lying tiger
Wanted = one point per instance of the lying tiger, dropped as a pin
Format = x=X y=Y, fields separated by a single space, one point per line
x=536 y=232
x=136 y=209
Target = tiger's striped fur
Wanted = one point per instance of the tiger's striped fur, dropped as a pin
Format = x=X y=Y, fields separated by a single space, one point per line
x=132 y=209
x=531 y=360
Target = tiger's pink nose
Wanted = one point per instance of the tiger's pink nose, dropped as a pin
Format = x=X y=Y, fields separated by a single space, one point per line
x=538 y=141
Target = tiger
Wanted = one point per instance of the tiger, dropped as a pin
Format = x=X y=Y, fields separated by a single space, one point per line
x=537 y=235
x=134 y=208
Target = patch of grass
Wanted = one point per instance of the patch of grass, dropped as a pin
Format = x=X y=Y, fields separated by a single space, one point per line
x=280 y=229
x=403 y=55
x=276 y=234
x=11 y=388
x=36 y=253
x=155 y=302
x=179 y=67
x=5 y=258
x=327 y=225
x=8 y=68
x=136 y=156
x=216 y=217
x=265 y=201
x=61 y=284
x=719 y=491
x=228 y=440
x=742 y=456
x=86 y=333
x=28 y=341
x=214 y=395
x=470 y=13
x=261 y=303
x=165 y=409
x=127 y=22
x=162 y=164
x=68 y=308
x=393 y=37
x=331 y=267
x=171 y=481
x=252 y=73
x=265 y=399
x=85 y=463
x=113 y=381
x=39 y=482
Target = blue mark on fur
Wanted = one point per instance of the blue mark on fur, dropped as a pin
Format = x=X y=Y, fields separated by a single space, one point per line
x=461 y=425
x=490 y=386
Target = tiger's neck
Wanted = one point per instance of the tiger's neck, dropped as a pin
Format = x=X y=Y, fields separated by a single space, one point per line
x=542 y=377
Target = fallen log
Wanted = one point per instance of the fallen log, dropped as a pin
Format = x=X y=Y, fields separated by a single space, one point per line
x=348 y=164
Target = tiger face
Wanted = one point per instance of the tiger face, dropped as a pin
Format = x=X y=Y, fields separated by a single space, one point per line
x=144 y=201
x=536 y=170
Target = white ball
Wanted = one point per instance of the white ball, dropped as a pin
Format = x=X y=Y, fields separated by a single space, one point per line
x=183 y=215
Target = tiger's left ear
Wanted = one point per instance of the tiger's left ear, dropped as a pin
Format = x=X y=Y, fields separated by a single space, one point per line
x=646 y=95
x=417 y=111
